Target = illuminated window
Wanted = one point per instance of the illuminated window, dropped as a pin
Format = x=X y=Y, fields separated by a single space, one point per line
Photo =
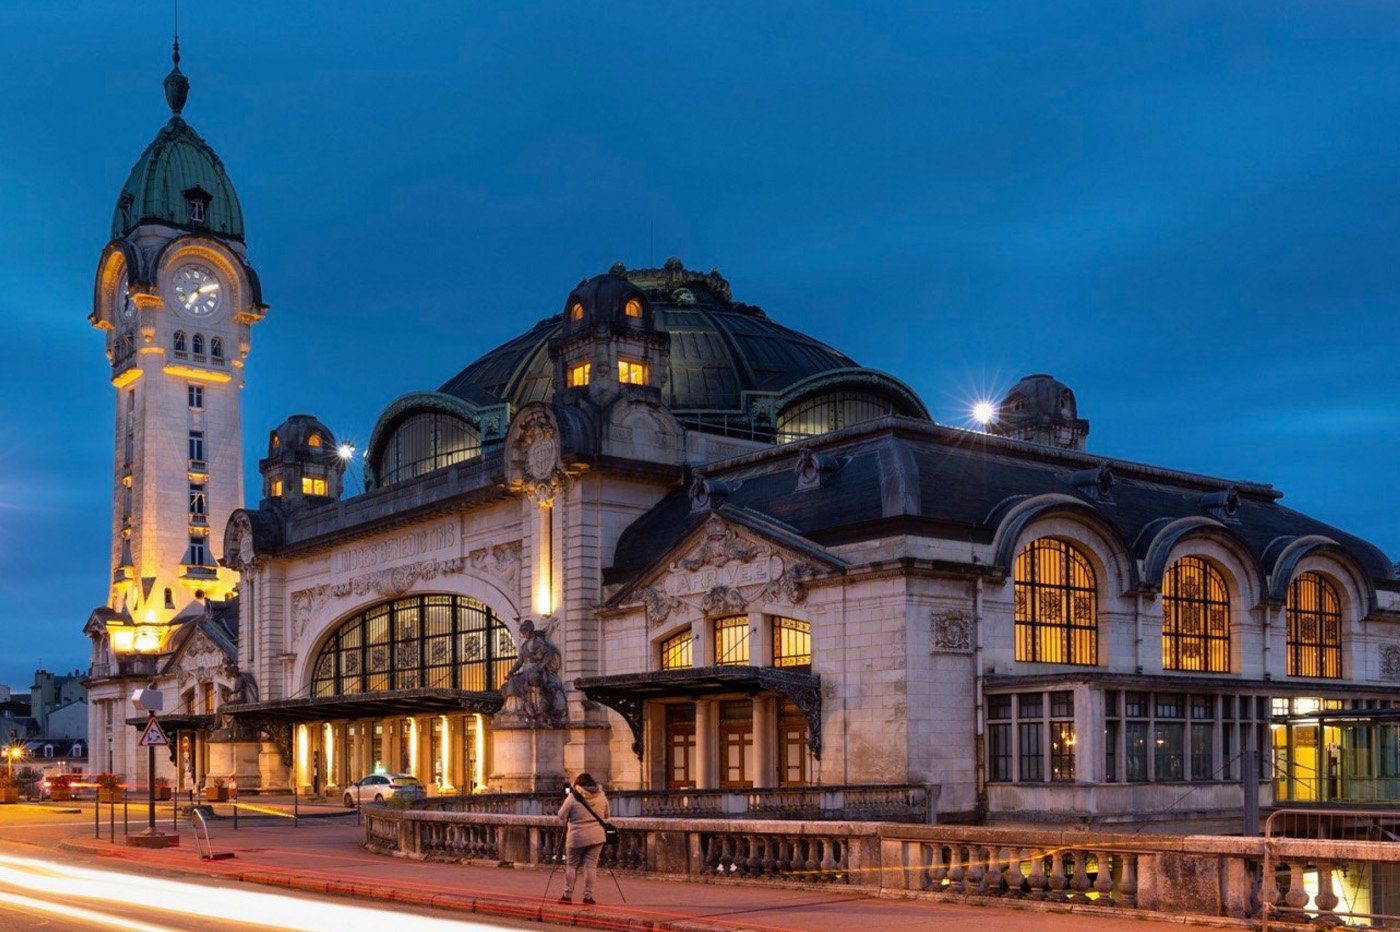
x=180 y=344
x=195 y=395
x=633 y=308
x=1056 y=605
x=631 y=373
x=1314 y=627
x=792 y=643
x=578 y=375
x=575 y=311
x=313 y=485
x=314 y=440
x=1195 y=618
x=420 y=642
x=675 y=651
x=276 y=489
x=732 y=641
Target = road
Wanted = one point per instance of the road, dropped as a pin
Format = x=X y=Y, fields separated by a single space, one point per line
x=41 y=890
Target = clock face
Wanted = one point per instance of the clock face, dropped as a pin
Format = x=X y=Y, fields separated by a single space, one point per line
x=197 y=290
x=126 y=308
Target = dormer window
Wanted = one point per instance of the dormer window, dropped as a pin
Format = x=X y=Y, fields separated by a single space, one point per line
x=124 y=205
x=198 y=201
x=314 y=441
x=576 y=311
x=578 y=375
x=631 y=373
x=633 y=308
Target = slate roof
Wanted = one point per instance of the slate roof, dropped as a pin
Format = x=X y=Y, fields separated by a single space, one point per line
x=719 y=348
x=898 y=475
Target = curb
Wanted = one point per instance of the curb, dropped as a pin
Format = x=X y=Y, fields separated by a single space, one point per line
x=549 y=911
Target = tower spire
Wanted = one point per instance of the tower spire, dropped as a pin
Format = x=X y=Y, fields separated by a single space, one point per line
x=177 y=86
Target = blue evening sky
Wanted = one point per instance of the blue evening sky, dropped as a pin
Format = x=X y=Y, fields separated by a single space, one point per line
x=1186 y=211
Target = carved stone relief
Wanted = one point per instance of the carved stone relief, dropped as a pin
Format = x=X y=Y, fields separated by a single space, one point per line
x=658 y=605
x=499 y=560
x=722 y=544
x=722 y=600
x=952 y=632
x=1390 y=662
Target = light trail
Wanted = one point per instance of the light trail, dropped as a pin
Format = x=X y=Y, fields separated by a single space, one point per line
x=30 y=904
x=39 y=877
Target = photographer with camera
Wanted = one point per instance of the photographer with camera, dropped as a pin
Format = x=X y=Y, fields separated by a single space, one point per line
x=585 y=810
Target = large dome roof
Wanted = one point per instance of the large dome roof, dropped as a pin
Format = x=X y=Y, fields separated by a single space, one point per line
x=719 y=349
x=176 y=168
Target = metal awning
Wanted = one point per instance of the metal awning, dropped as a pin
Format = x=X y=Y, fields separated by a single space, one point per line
x=390 y=704
x=626 y=693
x=177 y=722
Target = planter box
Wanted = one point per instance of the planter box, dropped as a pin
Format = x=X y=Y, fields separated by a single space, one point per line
x=60 y=794
x=9 y=794
x=163 y=792
x=216 y=794
x=110 y=796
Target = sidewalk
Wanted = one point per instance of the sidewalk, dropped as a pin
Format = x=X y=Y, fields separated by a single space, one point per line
x=324 y=855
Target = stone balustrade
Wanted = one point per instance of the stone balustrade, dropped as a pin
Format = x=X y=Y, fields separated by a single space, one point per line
x=1181 y=875
x=895 y=803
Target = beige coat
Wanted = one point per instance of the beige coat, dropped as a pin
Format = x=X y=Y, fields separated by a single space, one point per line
x=584 y=830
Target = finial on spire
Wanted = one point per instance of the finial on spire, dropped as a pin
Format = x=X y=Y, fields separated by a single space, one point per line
x=177 y=86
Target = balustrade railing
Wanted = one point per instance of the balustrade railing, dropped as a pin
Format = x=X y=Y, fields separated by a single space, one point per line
x=1350 y=871
x=898 y=803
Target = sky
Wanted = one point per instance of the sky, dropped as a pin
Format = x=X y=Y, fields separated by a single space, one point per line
x=1188 y=212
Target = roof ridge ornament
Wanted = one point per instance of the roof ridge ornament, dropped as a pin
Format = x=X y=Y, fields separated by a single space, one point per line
x=177 y=86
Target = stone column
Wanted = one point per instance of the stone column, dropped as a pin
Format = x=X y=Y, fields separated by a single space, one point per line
x=423 y=756
x=760 y=642
x=706 y=745
x=765 y=762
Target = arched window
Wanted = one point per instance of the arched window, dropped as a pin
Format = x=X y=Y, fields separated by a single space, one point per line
x=732 y=641
x=421 y=642
x=831 y=411
x=180 y=345
x=675 y=651
x=424 y=442
x=1195 y=618
x=1057 y=615
x=1314 y=627
x=216 y=347
x=197 y=344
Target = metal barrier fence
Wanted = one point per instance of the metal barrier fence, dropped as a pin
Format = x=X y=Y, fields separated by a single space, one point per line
x=1331 y=866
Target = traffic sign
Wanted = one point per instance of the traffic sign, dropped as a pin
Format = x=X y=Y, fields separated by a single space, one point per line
x=153 y=737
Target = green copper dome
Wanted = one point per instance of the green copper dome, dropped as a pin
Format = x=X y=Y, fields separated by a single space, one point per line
x=178 y=179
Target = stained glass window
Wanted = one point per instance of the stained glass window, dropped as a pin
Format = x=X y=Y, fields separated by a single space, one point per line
x=1314 y=627
x=1056 y=605
x=1195 y=618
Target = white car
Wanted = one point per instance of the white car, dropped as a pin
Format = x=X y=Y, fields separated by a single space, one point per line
x=380 y=787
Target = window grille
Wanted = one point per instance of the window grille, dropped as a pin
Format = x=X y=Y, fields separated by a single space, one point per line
x=1314 y=627
x=1195 y=618
x=732 y=641
x=676 y=652
x=1056 y=605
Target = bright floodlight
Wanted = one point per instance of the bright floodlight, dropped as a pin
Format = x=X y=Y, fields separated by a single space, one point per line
x=983 y=412
x=345 y=451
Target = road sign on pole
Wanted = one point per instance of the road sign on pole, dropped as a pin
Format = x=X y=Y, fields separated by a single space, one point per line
x=153 y=736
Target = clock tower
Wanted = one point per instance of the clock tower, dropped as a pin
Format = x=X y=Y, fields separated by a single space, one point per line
x=175 y=298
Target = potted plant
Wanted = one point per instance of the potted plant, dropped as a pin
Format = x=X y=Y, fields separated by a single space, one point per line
x=109 y=788
x=9 y=787
x=216 y=790
x=61 y=788
x=162 y=787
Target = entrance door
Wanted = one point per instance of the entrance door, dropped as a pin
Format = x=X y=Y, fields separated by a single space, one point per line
x=792 y=745
x=736 y=743
x=680 y=747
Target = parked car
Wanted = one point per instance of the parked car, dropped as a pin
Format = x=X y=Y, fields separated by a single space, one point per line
x=379 y=787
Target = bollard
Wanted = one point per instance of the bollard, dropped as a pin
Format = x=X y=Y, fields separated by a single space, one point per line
x=112 y=819
x=97 y=819
x=235 y=817
x=126 y=821
x=296 y=818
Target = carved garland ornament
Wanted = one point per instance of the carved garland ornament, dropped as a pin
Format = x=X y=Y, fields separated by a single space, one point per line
x=501 y=560
x=722 y=545
x=537 y=453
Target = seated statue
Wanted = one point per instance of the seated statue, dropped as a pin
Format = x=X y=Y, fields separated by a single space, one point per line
x=533 y=691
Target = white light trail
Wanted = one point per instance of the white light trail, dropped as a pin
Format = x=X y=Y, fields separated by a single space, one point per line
x=38 y=877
